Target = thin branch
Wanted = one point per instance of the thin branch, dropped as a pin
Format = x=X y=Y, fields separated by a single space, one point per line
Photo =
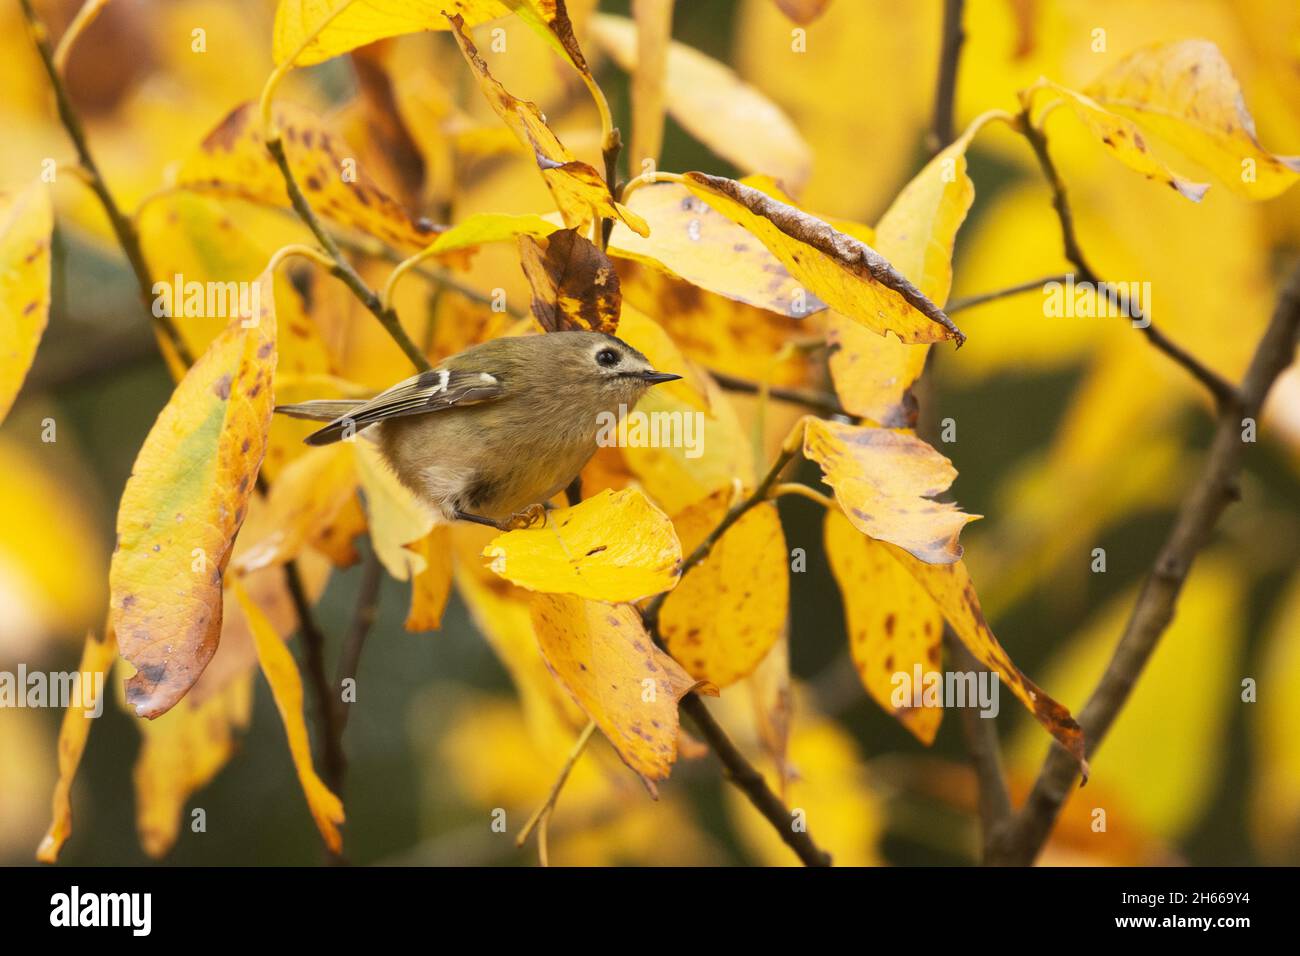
x=945 y=91
x=542 y=813
x=1213 y=491
x=1224 y=392
x=333 y=761
x=750 y=782
x=125 y=233
x=363 y=619
x=817 y=401
x=981 y=734
x=971 y=301
x=342 y=268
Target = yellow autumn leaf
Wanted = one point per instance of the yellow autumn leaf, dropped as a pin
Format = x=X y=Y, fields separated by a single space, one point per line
x=605 y=659
x=654 y=35
x=1126 y=143
x=97 y=657
x=181 y=752
x=715 y=106
x=726 y=614
x=841 y=270
x=894 y=626
x=396 y=517
x=949 y=585
x=184 y=504
x=691 y=240
x=1185 y=93
x=1275 y=796
x=26 y=220
x=614 y=546
x=331 y=27
x=484 y=227
x=574 y=285
x=233 y=161
x=885 y=480
x=578 y=189
x=305 y=497
x=431 y=587
x=286 y=687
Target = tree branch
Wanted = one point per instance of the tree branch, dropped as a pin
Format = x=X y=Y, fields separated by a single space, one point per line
x=342 y=268
x=363 y=618
x=1213 y=491
x=971 y=301
x=1224 y=393
x=945 y=91
x=981 y=734
x=333 y=761
x=817 y=401
x=120 y=224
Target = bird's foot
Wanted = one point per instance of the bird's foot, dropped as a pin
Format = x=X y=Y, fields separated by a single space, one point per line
x=533 y=515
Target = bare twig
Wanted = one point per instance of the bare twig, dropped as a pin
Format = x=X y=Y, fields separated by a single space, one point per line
x=543 y=813
x=1213 y=491
x=333 y=761
x=973 y=300
x=1224 y=392
x=945 y=91
x=125 y=233
x=343 y=269
x=363 y=618
x=817 y=401
x=981 y=735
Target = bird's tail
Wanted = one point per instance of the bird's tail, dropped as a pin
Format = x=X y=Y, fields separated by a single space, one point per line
x=321 y=410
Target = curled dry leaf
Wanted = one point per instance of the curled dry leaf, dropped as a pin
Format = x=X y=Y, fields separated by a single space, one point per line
x=575 y=287
x=842 y=271
x=97 y=657
x=697 y=243
x=724 y=616
x=579 y=191
x=1126 y=143
x=715 y=106
x=885 y=480
x=26 y=220
x=893 y=624
x=233 y=161
x=281 y=673
x=615 y=546
x=1185 y=93
x=607 y=662
x=182 y=507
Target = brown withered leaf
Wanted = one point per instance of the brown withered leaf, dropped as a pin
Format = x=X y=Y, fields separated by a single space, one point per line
x=575 y=287
x=579 y=191
x=233 y=161
x=841 y=270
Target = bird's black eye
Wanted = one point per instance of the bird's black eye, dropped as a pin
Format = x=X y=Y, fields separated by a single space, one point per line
x=607 y=358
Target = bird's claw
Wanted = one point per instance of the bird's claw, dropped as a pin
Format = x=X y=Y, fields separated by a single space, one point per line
x=527 y=518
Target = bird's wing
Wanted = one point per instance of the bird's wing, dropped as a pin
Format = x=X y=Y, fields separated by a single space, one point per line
x=430 y=391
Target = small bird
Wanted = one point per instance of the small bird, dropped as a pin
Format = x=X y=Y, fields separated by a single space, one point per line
x=494 y=432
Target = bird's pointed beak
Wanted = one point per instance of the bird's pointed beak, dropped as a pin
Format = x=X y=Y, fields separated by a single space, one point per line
x=656 y=378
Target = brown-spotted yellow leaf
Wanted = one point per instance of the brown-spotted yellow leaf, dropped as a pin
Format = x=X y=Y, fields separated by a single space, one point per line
x=578 y=190
x=691 y=240
x=1185 y=93
x=184 y=504
x=607 y=662
x=726 y=614
x=1124 y=140
x=574 y=285
x=26 y=220
x=715 y=106
x=885 y=480
x=894 y=626
x=432 y=586
x=97 y=657
x=286 y=687
x=841 y=270
x=180 y=753
x=233 y=161
x=952 y=590
x=614 y=546
x=312 y=31
x=305 y=497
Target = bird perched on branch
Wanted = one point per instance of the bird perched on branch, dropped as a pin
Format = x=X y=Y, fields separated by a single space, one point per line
x=494 y=432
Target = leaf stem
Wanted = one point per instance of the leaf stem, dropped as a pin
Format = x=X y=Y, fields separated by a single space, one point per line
x=542 y=813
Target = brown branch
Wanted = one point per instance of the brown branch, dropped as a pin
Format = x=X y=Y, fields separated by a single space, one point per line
x=333 y=762
x=971 y=301
x=817 y=401
x=1224 y=392
x=981 y=734
x=1213 y=491
x=122 y=228
x=363 y=619
x=343 y=269
x=945 y=91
